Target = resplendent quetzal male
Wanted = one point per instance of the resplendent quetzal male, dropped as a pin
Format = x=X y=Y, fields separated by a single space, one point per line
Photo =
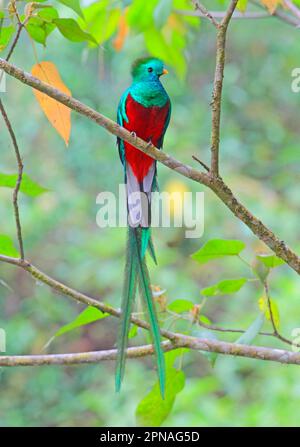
x=144 y=110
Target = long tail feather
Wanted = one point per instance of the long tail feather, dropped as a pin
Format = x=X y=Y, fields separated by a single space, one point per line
x=145 y=290
x=147 y=244
x=151 y=249
x=129 y=292
x=138 y=241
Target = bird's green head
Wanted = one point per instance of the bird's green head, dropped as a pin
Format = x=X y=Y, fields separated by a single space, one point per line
x=147 y=69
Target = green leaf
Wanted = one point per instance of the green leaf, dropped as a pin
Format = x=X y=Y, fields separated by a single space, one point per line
x=153 y=410
x=252 y=331
x=170 y=51
x=5 y=36
x=162 y=12
x=140 y=14
x=28 y=186
x=89 y=315
x=70 y=29
x=188 y=6
x=101 y=21
x=7 y=247
x=40 y=26
x=224 y=287
x=242 y=5
x=270 y=261
x=73 y=4
x=172 y=356
x=181 y=306
x=133 y=331
x=204 y=319
x=218 y=248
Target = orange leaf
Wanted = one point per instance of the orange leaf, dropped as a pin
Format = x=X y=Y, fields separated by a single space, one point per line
x=271 y=5
x=58 y=114
x=123 y=29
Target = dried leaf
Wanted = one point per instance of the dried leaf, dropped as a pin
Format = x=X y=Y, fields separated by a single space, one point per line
x=122 y=33
x=271 y=5
x=58 y=114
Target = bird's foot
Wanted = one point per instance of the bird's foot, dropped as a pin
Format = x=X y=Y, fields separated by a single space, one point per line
x=149 y=144
x=133 y=134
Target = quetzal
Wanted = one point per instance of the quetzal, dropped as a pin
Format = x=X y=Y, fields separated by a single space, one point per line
x=144 y=110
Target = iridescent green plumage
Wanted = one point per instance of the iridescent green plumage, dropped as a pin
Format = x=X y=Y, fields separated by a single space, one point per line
x=136 y=274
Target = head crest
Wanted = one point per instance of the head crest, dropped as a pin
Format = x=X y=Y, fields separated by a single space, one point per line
x=141 y=61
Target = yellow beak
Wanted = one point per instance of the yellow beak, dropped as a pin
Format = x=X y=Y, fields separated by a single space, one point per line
x=165 y=71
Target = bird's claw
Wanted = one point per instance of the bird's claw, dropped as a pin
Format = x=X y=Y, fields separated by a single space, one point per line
x=149 y=144
x=133 y=134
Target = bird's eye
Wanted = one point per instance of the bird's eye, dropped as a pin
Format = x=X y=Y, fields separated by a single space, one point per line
x=150 y=69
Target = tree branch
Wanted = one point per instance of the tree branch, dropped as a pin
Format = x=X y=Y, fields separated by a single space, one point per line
x=216 y=184
x=78 y=358
x=218 y=86
x=193 y=343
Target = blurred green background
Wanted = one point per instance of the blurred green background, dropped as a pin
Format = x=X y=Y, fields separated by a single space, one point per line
x=260 y=162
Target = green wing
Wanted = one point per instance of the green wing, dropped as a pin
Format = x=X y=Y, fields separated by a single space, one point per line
x=121 y=117
x=166 y=125
x=155 y=186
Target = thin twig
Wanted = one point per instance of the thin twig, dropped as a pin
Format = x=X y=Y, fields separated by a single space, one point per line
x=216 y=184
x=272 y=319
x=16 y=149
x=15 y=41
x=218 y=86
x=221 y=14
x=278 y=13
x=201 y=8
x=15 y=10
x=213 y=327
x=201 y=163
x=19 y=179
